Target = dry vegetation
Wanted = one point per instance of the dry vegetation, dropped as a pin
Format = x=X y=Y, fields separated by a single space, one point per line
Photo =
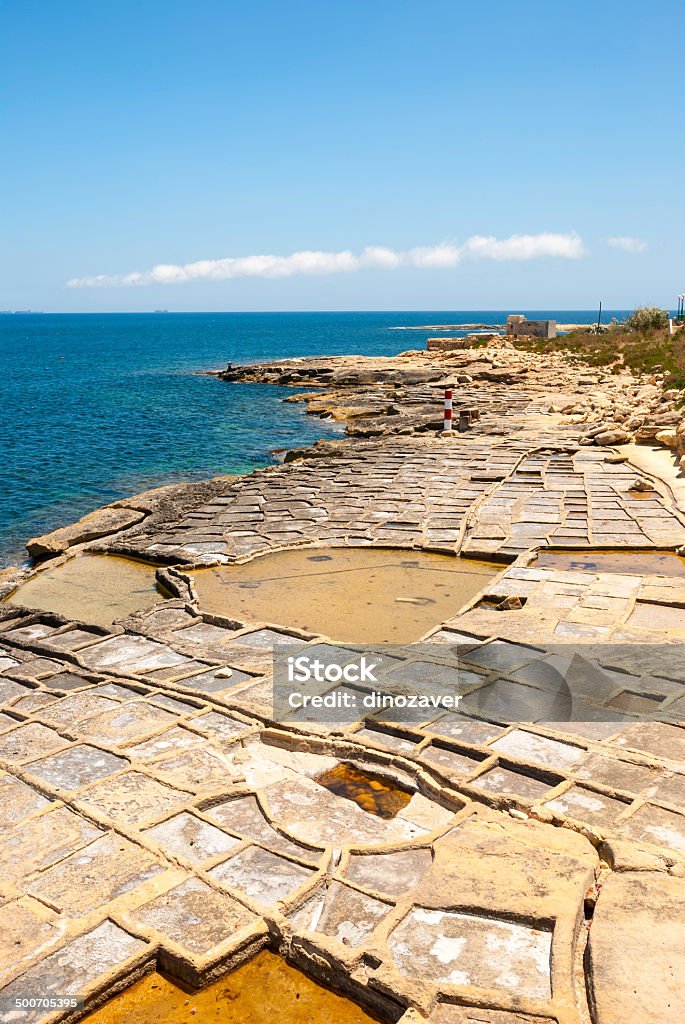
x=642 y=348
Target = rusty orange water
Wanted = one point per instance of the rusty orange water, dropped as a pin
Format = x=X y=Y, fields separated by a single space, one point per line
x=264 y=991
x=373 y=793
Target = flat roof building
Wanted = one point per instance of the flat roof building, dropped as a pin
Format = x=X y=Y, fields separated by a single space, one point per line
x=519 y=326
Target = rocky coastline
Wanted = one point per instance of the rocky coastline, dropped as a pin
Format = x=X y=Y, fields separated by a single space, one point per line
x=607 y=408
x=157 y=815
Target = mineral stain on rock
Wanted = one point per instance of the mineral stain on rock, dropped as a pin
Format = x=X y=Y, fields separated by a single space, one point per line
x=373 y=793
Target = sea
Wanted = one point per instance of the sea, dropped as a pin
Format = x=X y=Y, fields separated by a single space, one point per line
x=95 y=407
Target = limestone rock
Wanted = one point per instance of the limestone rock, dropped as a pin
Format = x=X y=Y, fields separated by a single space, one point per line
x=10 y=577
x=602 y=428
x=615 y=436
x=647 y=432
x=633 y=978
x=641 y=484
x=680 y=435
x=100 y=523
x=668 y=437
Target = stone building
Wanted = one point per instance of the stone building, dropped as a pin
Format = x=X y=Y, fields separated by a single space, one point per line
x=517 y=324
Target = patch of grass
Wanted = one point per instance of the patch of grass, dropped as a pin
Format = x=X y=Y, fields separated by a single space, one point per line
x=642 y=351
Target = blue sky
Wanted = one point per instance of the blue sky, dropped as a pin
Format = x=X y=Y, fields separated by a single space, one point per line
x=490 y=151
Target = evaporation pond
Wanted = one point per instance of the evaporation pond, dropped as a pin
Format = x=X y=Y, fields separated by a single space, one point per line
x=265 y=990
x=636 y=563
x=98 y=589
x=357 y=595
x=375 y=794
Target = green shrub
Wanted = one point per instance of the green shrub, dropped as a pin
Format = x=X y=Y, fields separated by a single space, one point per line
x=647 y=318
x=620 y=349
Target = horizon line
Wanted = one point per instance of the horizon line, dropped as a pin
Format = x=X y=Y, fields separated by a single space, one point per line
x=295 y=312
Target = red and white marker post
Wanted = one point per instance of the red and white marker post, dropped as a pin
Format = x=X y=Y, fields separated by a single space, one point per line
x=447 y=420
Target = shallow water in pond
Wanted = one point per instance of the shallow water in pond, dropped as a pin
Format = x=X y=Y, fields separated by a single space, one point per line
x=353 y=595
x=265 y=990
x=373 y=793
x=92 y=588
x=637 y=563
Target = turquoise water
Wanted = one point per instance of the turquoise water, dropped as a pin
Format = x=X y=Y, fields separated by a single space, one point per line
x=94 y=407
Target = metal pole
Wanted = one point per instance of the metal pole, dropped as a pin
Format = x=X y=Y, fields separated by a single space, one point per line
x=447 y=420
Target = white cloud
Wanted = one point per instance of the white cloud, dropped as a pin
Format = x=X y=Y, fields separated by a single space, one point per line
x=445 y=255
x=430 y=257
x=525 y=247
x=627 y=243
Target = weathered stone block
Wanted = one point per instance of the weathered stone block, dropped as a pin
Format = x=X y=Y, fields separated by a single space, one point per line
x=391 y=874
x=538 y=749
x=191 y=838
x=347 y=915
x=588 y=806
x=262 y=876
x=652 y=824
x=76 y=767
x=636 y=948
x=42 y=841
x=466 y=949
x=28 y=742
x=95 y=875
x=74 y=968
x=195 y=916
x=131 y=799
x=17 y=800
